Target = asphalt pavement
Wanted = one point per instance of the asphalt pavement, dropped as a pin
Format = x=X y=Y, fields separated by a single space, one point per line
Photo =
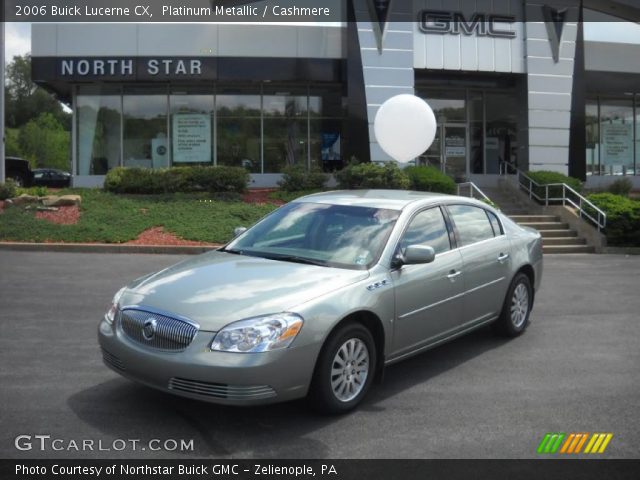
x=576 y=369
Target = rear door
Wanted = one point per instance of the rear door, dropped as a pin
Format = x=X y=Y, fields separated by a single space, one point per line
x=486 y=255
x=428 y=303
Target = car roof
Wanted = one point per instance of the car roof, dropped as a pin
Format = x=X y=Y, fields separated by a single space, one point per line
x=389 y=199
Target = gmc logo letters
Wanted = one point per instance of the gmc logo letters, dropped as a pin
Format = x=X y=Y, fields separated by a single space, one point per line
x=455 y=23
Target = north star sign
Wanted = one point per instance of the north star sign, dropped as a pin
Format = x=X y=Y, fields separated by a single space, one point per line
x=456 y=23
x=130 y=67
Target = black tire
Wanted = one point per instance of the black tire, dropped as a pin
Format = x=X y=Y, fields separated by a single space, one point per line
x=321 y=393
x=509 y=325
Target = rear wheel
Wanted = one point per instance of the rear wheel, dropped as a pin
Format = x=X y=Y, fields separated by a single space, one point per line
x=514 y=317
x=345 y=370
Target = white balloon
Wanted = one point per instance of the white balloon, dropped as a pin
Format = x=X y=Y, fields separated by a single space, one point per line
x=405 y=127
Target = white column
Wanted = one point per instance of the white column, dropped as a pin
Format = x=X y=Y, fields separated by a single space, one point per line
x=550 y=85
x=389 y=72
x=2 y=46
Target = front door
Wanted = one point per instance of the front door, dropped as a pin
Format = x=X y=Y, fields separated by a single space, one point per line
x=428 y=303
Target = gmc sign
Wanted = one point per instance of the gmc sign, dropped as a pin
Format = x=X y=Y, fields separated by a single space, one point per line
x=455 y=23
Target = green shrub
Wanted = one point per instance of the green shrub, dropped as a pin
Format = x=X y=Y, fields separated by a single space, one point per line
x=219 y=179
x=38 y=191
x=623 y=218
x=298 y=178
x=373 y=175
x=8 y=189
x=545 y=177
x=621 y=187
x=176 y=179
x=430 y=179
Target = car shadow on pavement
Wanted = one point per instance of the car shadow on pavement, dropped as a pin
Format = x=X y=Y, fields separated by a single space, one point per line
x=125 y=410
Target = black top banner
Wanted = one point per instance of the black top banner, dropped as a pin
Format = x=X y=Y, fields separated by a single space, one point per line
x=320 y=469
x=142 y=11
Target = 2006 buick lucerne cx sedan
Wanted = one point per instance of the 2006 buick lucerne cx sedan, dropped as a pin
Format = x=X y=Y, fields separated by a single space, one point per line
x=320 y=295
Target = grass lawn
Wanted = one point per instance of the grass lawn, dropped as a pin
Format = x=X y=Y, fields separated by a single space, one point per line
x=110 y=218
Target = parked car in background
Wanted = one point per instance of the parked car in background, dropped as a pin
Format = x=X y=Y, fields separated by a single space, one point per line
x=323 y=293
x=51 y=177
x=18 y=169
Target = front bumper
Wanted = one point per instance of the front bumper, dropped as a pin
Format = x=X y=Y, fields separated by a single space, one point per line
x=217 y=377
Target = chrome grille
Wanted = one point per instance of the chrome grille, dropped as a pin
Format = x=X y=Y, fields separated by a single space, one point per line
x=221 y=390
x=112 y=360
x=168 y=333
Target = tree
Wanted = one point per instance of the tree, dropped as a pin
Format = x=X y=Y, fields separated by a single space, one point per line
x=25 y=100
x=45 y=143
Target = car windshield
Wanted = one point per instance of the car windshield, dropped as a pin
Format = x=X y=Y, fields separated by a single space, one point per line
x=339 y=236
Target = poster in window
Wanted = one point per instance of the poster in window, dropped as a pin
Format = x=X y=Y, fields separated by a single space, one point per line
x=617 y=146
x=191 y=138
x=330 y=151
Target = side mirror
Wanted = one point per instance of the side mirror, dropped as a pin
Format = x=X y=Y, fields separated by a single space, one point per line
x=414 y=255
x=239 y=231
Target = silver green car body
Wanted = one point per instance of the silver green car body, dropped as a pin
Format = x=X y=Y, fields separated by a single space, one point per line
x=408 y=308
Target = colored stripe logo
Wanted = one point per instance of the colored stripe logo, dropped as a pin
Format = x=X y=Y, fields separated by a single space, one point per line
x=573 y=443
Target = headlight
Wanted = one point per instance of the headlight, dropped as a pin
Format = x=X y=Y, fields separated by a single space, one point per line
x=113 y=308
x=259 y=334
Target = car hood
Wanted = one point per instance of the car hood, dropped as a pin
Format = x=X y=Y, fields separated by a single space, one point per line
x=218 y=288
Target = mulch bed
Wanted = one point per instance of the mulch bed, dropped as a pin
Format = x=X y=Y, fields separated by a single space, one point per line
x=62 y=216
x=157 y=236
x=261 y=196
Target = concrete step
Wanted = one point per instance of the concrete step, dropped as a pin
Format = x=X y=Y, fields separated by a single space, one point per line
x=557 y=234
x=545 y=225
x=548 y=241
x=514 y=211
x=534 y=218
x=568 y=249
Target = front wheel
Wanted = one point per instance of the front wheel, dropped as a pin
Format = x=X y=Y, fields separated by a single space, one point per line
x=345 y=370
x=514 y=317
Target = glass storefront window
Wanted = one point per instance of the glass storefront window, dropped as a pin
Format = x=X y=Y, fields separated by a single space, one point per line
x=238 y=130
x=285 y=143
x=145 y=142
x=476 y=132
x=637 y=150
x=98 y=117
x=611 y=142
x=192 y=121
x=262 y=128
x=501 y=131
x=592 y=136
x=616 y=136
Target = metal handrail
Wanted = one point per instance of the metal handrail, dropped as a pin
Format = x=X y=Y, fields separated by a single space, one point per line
x=578 y=202
x=472 y=188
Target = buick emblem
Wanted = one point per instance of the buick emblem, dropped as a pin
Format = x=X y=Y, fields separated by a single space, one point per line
x=149 y=328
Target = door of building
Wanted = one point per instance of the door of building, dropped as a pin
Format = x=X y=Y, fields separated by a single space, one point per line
x=449 y=150
x=454 y=150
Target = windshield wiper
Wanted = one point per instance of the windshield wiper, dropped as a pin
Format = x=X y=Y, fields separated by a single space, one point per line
x=294 y=259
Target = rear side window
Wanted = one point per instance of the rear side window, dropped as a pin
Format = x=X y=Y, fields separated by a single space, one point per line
x=471 y=223
x=497 y=230
x=427 y=228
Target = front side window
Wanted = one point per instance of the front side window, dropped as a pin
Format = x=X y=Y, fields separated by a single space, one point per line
x=427 y=228
x=472 y=223
x=340 y=236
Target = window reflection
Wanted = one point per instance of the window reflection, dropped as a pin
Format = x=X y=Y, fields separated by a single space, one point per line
x=427 y=228
x=472 y=223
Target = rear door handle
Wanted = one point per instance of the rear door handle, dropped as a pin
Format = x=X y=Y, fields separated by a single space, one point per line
x=453 y=274
x=502 y=257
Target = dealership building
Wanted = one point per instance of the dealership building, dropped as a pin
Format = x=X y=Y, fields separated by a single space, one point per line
x=513 y=83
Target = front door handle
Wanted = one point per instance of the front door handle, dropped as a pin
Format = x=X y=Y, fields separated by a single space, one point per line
x=502 y=257
x=453 y=274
